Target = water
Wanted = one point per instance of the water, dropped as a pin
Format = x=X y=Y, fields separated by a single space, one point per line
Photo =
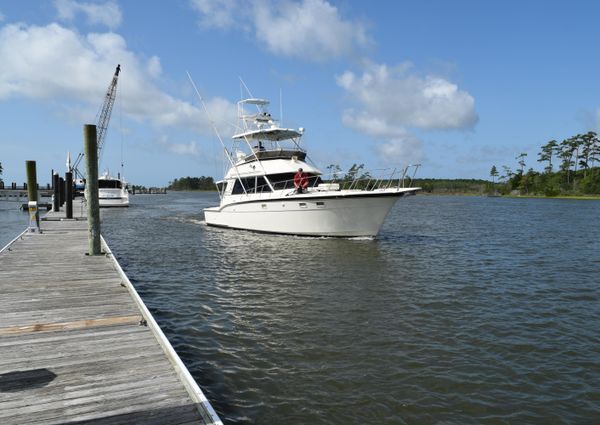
x=12 y=220
x=464 y=310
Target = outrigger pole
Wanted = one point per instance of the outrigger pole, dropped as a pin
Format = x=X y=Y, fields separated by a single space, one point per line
x=212 y=123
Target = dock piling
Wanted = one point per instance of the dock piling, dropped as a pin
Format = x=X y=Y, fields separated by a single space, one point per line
x=69 y=187
x=55 y=196
x=32 y=193
x=61 y=191
x=90 y=143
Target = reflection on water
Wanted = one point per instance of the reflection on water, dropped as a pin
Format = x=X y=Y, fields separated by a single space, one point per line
x=463 y=310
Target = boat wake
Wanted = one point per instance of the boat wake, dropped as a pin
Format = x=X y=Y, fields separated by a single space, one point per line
x=188 y=220
x=361 y=238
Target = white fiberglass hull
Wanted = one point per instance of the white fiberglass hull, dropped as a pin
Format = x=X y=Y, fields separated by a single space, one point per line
x=113 y=198
x=349 y=215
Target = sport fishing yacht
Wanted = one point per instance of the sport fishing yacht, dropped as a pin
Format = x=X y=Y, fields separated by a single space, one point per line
x=259 y=191
x=112 y=191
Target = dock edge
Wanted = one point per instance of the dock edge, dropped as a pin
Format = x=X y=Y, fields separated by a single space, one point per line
x=203 y=405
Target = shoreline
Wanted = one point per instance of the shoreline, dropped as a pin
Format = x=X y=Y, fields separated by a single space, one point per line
x=575 y=197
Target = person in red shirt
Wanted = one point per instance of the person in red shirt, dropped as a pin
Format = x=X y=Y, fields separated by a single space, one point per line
x=300 y=181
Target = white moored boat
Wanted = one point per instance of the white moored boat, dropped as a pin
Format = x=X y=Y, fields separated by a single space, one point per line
x=112 y=191
x=258 y=191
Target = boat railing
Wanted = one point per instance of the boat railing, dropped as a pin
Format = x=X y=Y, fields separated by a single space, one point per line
x=374 y=180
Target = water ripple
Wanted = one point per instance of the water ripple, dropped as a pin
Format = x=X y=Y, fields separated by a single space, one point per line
x=462 y=311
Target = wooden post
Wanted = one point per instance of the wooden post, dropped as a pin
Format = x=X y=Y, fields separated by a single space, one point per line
x=90 y=149
x=61 y=191
x=55 y=198
x=32 y=192
x=69 y=187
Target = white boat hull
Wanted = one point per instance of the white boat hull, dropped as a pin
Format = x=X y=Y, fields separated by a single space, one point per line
x=113 y=198
x=349 y=215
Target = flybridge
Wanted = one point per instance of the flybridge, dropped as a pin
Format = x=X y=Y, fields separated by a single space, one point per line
x=274 y=134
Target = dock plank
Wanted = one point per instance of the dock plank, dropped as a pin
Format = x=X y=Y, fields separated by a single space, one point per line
x=72 y=348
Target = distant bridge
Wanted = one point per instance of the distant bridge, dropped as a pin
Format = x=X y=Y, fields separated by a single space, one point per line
x=12 y=192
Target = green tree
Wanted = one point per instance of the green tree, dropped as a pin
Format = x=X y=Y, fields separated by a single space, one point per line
x=577 y=158
x=521 y=161
x=567 y=149
x=546 y=154
x=507 y=174
x=494 y=173
x=334 y=171
x=588 y=141
x=353 y=171
x=192 y=183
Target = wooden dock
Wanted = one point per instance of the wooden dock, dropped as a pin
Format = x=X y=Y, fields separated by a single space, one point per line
x=77 y=344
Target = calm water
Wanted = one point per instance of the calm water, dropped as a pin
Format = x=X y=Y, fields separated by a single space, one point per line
x=464 y=310
x=12 y=221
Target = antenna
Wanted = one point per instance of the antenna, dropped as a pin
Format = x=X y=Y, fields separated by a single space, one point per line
x=214 y=127
x=246 y=87
x=212 y=123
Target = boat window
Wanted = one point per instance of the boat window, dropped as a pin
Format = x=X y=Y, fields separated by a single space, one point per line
x=237 y=188
x=262 y=185
x=256 y=184
x=286 y=180
x=109 y=184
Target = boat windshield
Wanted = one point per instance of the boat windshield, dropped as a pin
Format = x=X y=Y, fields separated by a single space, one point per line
x=255 y=184
x=286 y=180
x=109 y=184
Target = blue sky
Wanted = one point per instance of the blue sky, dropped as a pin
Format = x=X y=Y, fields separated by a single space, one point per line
x=456 y=86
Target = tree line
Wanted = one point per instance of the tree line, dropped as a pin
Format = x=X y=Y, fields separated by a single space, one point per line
x=192 y=183
x=571 y=167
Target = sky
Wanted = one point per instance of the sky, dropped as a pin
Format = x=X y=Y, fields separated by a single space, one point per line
x=454 y=86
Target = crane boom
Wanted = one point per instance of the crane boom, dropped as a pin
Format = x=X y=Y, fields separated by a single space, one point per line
x=103 y=119
x=109 y=101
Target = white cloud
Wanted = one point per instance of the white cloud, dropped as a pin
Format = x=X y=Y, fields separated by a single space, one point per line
x=372 y=125
x=389 y=100
x=153 y=66
x=398 y=98
x=309 y=29
x=401 y=150
x=108 y=13
x=53 y=62
x=216 y=13
x=190 y=148
x=394 y=144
